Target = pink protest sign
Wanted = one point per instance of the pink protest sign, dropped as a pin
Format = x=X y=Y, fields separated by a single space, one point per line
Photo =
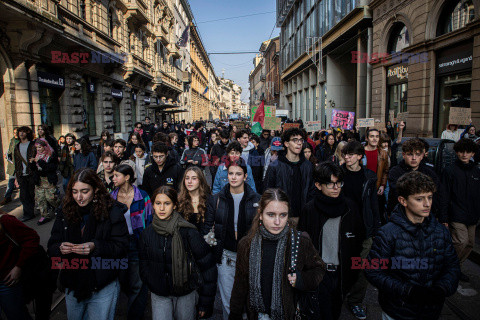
x=343 y=119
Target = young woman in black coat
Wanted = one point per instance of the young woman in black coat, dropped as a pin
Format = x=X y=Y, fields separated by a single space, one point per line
x=175 y=261
x=89 y=242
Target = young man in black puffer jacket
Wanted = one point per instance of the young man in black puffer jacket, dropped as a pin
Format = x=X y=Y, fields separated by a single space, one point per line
x=462 y=182
x=412 y=261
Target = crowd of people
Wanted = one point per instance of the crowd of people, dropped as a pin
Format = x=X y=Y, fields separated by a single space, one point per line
x=288 y=225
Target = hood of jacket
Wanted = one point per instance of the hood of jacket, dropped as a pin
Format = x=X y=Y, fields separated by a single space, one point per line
x=282 y=156
x=170 y=162
x=248 y=148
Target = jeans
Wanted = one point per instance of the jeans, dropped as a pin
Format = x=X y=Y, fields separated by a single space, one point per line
x=101 y=305
x=359 y=289
x=11 y=302
x=226 y=275
x=27 y=195
x=178 y=308
x=263 y=316
x=10 y=187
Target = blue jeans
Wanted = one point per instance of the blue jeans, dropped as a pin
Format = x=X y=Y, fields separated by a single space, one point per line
x=11 y=302
x=101 y=305
x=226 y=275
x=178 y=308
x=10 y=187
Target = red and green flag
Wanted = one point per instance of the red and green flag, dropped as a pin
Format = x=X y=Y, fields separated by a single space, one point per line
x=259 y=118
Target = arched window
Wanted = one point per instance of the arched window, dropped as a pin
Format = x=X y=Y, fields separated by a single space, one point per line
x=110 y=23
x=399 y=38
x=455 y=16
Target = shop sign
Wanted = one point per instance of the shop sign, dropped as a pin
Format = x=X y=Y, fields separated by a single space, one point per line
x=147 y=99
x=134 y=96
x=455 y=59
x=91 y=87
x=50 y=80
x=397 y=74
x=117 y=93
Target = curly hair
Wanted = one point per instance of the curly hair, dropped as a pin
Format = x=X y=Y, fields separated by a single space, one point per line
x=415 y=182
x=102 y=201
x=185 y=206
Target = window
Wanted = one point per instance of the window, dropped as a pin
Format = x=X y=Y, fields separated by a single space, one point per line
x=116 y=116
x=455 y=16
x=110 y=23
x=399 y=38
x=82 y=10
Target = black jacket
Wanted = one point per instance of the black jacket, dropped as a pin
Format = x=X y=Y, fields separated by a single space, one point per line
x=110 y=237
x=219 y=206
x=439 y=205
x=265 y=143
x=279 y=175
x=462 y=196
x=48 y=169
x=370 y=212
x=351 y=235
x=435 y=263
x=17 y=156
x=218 y=151
x=148 y=132
x=171 y=175
x=156 y=265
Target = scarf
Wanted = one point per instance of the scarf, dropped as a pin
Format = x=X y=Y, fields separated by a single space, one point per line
x=140 y=131
x=331 y=207
x=48 y=150
x=171 y=227
x=255 y=264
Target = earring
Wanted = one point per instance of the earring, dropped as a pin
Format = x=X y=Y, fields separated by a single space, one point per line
x=260 y=222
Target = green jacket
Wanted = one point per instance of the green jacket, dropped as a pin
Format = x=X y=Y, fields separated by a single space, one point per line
x=11 y=149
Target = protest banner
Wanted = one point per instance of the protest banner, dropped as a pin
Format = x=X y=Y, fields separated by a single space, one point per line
x=270 y=111
x=365 y=122
x=381 y=126
x=460 y=116
x=272 y=123
x=313 y=126
x=343 y=119
x=402 y=116
x=210 y=125
x=239 y=124
x=287 y=126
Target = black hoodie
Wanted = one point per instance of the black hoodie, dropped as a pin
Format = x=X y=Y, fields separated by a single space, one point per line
x=171 y=175
x=292 y=178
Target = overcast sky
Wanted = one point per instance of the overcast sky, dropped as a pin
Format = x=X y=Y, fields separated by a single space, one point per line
x=233 y=35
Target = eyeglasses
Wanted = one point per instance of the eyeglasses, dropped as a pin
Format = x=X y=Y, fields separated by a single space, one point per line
x=348 y=155
x=330 y=185
x=296 y=141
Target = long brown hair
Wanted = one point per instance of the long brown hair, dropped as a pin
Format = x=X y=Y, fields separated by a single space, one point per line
x=185 y=206
x=268 y=196
x=102 y=201
x=139 y=138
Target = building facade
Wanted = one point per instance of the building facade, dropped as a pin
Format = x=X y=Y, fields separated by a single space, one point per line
x=272 y=84
x=429 y=61
x=317 y=39
x=257 y=78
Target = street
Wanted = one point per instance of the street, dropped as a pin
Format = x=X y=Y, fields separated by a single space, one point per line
x=463 y=305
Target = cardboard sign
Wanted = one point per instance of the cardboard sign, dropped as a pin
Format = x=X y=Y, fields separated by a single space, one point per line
x=270 y=111
x=381 y=126
x=365 y=122
x=343 y=119
x=460 y=116
x=287 y=126
x=239 y=124
x=210 y=125
x=402 y=116
x=272 y=123
x=313 y=126
x=391 y=116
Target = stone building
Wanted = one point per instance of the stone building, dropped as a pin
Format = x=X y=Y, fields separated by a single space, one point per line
x=429 y=61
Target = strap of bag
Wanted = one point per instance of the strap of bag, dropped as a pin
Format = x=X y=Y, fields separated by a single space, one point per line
x=295 y=240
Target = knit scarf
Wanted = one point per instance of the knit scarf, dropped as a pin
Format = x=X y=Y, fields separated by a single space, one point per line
x=171 y=227
x=255 y=264
x=47 y=150
x=140 y=131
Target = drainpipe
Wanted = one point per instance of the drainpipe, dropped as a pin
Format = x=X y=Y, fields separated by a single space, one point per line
x=369 y=73
x=30 y=99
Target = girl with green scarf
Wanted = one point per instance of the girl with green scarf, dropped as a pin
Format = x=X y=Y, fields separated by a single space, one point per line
x=176 y=263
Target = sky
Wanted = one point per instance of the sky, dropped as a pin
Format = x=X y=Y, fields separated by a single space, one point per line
x=240 y=34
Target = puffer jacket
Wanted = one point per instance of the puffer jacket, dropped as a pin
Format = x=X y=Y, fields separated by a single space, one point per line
x=110 y=237
x=427 y=244
x=439 y=207
x=279 y=175
x=156 y=265
x=462 y=184
x=218 y=207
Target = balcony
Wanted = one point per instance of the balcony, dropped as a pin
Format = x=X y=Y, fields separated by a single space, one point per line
x=136 y=9
x=187 y=77
x=161 y=34
x=137 y=66
x=174 y=50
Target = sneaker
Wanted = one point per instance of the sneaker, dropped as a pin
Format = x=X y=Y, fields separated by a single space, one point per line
x=359 y=312
x=464 y=277
x=25 y=219
x=43 y=220
x=5 y=201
